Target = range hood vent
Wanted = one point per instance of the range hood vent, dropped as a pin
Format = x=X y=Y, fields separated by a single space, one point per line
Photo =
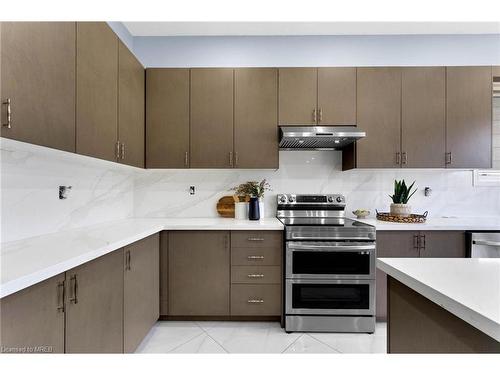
x=318 y=137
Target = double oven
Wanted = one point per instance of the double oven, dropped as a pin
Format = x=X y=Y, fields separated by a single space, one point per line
x=329 y=262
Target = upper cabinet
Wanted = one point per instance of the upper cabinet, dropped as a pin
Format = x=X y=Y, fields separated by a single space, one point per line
x=97 y=91
x=130 y=108
x=211 y=142
x=379 y=115
x=38 y=83
x=317 y=96
x=423 y=117
x=255 y=118
x=167 y=118
x=468 y=117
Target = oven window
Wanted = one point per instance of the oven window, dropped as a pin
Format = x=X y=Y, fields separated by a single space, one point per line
x=330 y=296
x=330 y=263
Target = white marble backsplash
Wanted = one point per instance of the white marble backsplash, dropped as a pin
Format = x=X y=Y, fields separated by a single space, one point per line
x=30 y=178
x=165 y=193
x=104 y=191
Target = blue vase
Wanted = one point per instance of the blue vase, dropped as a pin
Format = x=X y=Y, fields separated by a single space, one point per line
x=253 y=209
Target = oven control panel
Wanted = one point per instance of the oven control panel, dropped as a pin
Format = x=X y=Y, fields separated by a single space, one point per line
x=322 y=199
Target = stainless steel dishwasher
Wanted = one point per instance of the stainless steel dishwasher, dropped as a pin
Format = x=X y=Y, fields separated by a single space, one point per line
x=483 y=245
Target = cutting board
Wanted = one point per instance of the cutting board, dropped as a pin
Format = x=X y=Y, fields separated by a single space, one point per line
x=225 y=206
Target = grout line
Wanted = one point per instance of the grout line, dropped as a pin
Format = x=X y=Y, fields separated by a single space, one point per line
x=208 y=334
x=293 y=342
x=324 y=343
x=191 y=339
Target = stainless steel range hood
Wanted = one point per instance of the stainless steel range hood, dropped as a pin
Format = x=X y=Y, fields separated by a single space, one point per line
x=318 y=137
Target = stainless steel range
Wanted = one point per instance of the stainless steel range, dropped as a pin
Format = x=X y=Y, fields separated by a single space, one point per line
x=329 y=281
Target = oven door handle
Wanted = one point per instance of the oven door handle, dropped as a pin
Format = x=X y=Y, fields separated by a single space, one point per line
x=486 y=243
x=331 y=247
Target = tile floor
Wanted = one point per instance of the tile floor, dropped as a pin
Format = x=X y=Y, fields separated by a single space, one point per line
x=255 y=337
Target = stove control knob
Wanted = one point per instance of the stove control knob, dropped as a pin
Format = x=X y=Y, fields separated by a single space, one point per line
x=291 y=199
x=283 y=199
x=330 y=199
x=339 y=199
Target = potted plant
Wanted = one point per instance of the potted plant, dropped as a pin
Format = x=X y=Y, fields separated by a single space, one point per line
x=402 y=195
x=255 y=190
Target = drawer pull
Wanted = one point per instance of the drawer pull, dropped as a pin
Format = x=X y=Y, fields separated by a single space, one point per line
x=255 y=257
x=256 y=275
x=255 y=239
x=256 y=301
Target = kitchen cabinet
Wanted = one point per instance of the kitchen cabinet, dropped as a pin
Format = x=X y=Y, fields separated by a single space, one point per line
x=96 y=91
x=379 y=115
x=198 y=273
x=130 y=108
x=423 y=117
x=167 y=118
x=32 y=319
x=413 y=244
x=94 y=306
x=163 y=273
x=317 y=96
x=255 y=118
x=468 y=117
x=211 y=116
x=298 y=90
x=141 y=290
x=38 y=83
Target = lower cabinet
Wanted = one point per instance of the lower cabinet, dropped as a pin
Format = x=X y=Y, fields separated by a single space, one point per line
x=32 y=320
x=413 y=244
x=141 y=292
x=255 y=300
x=94 y=306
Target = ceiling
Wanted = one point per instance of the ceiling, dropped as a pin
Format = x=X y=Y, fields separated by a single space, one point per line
x=308 y=28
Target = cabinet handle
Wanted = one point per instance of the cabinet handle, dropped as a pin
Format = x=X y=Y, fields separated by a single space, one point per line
x=236 y=158
x=60 y=296
x=74 y=287
x=255 y=239
x=255 y=300
x=448 y=158
x=255 y=276
x=123 y=151
x=398 y=158
x=117 y=150
x=127 y=261
x=422 y=242
x=255 y=257
x=186 y=159
x=416 y=241
x=9 y=114
x=404 y=159
x=320 y=114
x=230 y=158
x=314 y=116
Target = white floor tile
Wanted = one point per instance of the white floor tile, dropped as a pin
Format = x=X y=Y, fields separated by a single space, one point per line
x=200 y=344
x=166 y=336
x=307 y=344
x=353 y=342
x=251 y=337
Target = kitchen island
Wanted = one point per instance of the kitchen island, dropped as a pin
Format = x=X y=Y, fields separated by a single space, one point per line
x=442 y=305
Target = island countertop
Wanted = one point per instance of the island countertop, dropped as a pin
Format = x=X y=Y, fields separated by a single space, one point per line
x=468 y=288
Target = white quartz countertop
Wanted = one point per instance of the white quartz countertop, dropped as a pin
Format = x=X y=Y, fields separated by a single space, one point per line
x=468 y=288
x=29 y=261
x=440 y=223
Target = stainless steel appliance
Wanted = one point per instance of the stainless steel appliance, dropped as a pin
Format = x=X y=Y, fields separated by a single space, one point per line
x=483 y=245
x=318 y=137
x=329 y=273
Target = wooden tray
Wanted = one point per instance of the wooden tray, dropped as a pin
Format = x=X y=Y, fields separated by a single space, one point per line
x=412 y=219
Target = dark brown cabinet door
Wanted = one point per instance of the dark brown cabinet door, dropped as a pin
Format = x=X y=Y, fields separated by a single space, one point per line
x=167 y=118
x=397 y=244
x=423 y=117
x=379 y=115
x=141 y=290
x=96 y=90
x=33 y=318
x=198 y=273
x=38 y=77
x=94 y=306
x=442 y=244
x=298 y=93
x=468 y=117
x=164 y=273
x=130 y=108
x=256 y=118
x=211 y=141
x=336 y=96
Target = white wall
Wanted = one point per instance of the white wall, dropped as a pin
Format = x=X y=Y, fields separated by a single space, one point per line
x=375 y=50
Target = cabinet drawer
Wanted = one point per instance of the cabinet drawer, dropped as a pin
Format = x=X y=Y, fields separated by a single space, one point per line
x=256 y=238
x=252 y=300
x=262 y=256
x=256 y=274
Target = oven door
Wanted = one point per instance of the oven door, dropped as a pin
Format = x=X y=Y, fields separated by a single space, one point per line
x=330 y=297
x=330 y=260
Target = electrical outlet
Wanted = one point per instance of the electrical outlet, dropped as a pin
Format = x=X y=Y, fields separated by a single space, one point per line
x=192 y=190
x=64 y=191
